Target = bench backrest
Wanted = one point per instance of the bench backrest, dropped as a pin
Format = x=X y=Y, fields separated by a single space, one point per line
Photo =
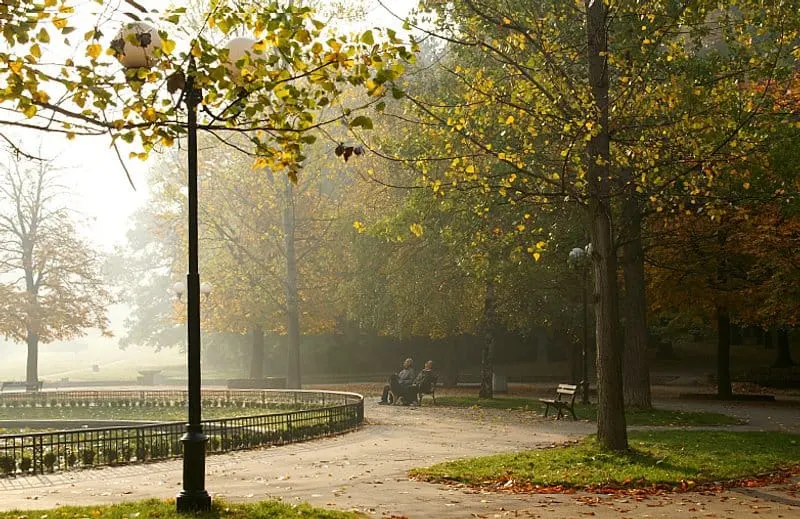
x=566 y=389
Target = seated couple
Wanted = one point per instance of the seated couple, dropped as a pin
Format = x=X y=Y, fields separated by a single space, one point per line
x=406 y=386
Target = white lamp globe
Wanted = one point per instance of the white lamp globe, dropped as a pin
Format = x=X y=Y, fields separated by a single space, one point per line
x=135 y=45
x=179 y=288
x=205 y=288
x=238 y=48
x=576 y=255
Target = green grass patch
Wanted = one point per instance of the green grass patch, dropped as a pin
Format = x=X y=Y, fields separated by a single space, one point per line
x=656 y=417
x=173 y=413
x=655 y=457
x=156 y=509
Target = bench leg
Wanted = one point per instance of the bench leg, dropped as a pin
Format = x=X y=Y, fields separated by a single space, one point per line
x=433 y=395
x=546 y=409
x=572 y=410
x=560 y=413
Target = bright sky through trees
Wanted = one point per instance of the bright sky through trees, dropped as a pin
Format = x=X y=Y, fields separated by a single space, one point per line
x=104 y=200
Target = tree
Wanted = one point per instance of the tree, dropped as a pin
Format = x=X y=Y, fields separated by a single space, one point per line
x=272 y=95
x=52 y=288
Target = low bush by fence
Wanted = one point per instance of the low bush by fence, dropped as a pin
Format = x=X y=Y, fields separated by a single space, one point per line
x=321 y=413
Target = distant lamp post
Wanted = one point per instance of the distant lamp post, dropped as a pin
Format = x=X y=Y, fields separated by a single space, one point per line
x=135 y=47
x=579 y=259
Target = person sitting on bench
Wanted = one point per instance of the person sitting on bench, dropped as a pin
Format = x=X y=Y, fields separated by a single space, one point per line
x=426 y=380
x=401 y=384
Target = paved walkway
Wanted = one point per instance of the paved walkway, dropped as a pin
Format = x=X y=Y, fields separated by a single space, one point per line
x=366 y=471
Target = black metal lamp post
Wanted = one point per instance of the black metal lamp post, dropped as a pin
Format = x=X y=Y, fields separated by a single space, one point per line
x=194 y=496
x=579 y=258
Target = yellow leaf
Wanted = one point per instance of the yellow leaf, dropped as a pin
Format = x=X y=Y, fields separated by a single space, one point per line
x=470 y=169
x=149 y=114
x=416 y=229
x=358 y=226
x=746 y=185
x=30 y=111
x=94 y=50
x=167 y=46
x=541 y=245
x=59 y=22
x=260 y=163
x=510 y=120
x=36 y=51
x=536 y=256
x=15 y=66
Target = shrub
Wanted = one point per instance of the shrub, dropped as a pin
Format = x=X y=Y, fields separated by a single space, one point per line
x=25 y=464
x=71 y=459
x=87 y=456
x=49 y=460
x=177 y=447
x=141 y=453
x=213 y=442
x=126 y=451
x=8 y=465
x=110 y=455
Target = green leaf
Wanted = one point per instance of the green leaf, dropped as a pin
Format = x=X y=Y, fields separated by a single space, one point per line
x=362 y=121
x=367 y=38
x=397 y=93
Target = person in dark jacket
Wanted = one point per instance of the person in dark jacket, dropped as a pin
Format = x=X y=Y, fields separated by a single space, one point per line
x=401 y=384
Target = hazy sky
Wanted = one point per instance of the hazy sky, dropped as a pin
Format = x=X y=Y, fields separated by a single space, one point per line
x=102 y=195
x=102 y=191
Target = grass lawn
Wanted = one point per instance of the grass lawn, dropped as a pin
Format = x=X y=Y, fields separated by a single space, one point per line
x=125 y=413
x=671 y=457
x=589 y=412
x=156 y=509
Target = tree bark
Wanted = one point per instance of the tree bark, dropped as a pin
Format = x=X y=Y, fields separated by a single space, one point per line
x=487 y=353
x=257 y=356
x=293 y=380
x=724 y=389
x=451 y=365
x=32 y=368
x=636 y=373
x=784 y=358
x=611 y=430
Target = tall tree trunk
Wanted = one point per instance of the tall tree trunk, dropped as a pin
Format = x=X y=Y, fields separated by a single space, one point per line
x=636 y=374
x=724 y=389
x=784 y=358
x=451 y=365
x=32 y=371
x=293 y=380
x=257 y=356
x=611 y=431
x=487 y=353
x=767 y=338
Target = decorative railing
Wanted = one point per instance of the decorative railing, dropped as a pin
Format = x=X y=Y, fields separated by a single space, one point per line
x=321 y=413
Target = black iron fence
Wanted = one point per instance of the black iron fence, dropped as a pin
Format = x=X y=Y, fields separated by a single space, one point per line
x=321 y=413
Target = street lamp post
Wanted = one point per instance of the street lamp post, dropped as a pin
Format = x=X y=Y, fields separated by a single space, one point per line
x=194 y=495
x=135 y=46
x=579 y=258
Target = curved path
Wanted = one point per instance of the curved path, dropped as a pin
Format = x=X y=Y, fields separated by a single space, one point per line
x=366 y=471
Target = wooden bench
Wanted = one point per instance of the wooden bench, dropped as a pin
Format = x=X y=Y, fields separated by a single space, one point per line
x=428 y=388
x=14 y=384
x=564 y=400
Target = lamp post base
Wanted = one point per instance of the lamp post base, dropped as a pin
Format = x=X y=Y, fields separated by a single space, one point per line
x=584 y=391
x=193 y=497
